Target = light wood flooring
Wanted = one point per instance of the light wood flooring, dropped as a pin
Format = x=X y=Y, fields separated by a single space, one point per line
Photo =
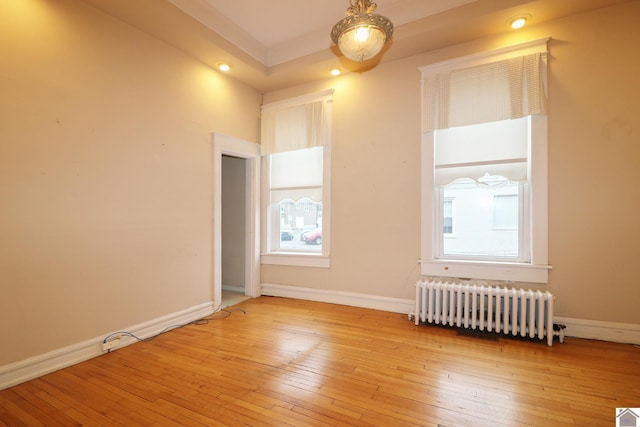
x=299 y=363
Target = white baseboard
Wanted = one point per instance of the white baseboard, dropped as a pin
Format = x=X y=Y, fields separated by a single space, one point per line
x=598 y=330
x=33 y=367
x=394 y=305
x=578 y=328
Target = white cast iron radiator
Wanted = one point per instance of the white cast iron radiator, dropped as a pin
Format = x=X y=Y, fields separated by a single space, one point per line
x=489 y=308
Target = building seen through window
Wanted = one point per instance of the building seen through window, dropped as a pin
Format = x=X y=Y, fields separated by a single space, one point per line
x=486 y=219
x=301 y=225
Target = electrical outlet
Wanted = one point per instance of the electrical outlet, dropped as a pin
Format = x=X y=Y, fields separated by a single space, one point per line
x=113 y=342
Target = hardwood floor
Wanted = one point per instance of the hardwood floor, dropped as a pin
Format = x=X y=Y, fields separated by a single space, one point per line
x=300 y=363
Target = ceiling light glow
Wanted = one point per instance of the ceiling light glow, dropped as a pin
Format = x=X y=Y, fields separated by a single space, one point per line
x=518 y=22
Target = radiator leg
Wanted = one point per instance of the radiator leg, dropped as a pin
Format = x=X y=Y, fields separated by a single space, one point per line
x=558 y=330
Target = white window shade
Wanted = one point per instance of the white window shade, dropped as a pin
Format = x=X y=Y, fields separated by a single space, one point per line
x=501 y=90
x=297 y=174
x=495 y=148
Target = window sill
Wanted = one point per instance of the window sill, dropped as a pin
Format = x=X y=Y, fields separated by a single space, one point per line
x=296 y=260
x=513 y=272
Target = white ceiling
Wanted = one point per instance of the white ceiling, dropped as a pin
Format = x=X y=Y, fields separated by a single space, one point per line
x=275 y=44
x=278 y=31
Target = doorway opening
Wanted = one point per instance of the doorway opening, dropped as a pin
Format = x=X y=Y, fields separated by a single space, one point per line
x=234 y=212
x=236 y=218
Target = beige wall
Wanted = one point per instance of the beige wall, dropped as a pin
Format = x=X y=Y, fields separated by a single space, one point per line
x=105 y=174
x=594 y=159
x=594 y=170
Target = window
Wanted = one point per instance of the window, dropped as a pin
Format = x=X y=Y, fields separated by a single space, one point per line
x=296 y=193
x=484 y=147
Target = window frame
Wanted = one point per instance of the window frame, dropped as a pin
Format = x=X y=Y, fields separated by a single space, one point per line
x=536 y=233
x=272 y=254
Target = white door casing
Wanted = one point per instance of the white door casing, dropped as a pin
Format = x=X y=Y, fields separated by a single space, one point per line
x=226 y=145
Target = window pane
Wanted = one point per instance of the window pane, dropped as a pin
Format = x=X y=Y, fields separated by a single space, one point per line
x=505 y=211
x=477 y=209
x=301 y=225
x=447 y=217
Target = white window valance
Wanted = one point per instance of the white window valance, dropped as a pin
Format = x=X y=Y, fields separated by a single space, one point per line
x=297 y=123
x=508 y=88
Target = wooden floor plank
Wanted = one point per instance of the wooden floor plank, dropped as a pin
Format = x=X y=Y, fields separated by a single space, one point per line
x=301 y=363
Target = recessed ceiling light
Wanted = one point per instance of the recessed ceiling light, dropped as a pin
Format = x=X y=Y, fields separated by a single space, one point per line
x=224 y=66
x=518 y=22
x=335 y=71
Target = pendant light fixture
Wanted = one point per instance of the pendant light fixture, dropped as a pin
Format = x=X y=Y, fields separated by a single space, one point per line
x=362 y=34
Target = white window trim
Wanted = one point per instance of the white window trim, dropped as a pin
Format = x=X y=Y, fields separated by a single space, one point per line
x=297 y=259
x=535 y=271
x=301 y=259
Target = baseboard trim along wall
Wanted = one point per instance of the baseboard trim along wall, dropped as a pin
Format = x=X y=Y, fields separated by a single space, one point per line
x=577 y=328
x=394 y=305
x=33 y=367
x=597 y=330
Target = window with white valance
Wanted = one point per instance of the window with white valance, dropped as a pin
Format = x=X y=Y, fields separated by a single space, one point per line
x=484 y=150
x=296 y=163
x=507 y=89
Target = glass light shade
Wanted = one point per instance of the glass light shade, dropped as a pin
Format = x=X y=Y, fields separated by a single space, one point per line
x=361 y=37
x=362 y=42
